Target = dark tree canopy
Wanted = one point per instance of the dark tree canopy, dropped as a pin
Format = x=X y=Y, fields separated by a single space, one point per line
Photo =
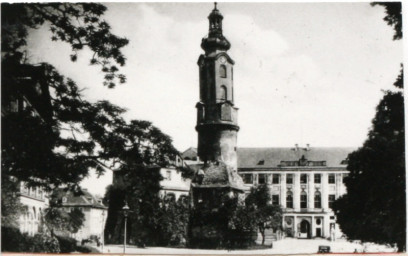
x=76 y=135
x=79 y=24
x=393 y=16
x=374 y=208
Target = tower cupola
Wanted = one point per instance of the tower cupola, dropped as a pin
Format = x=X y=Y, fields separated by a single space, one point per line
x=215 y=39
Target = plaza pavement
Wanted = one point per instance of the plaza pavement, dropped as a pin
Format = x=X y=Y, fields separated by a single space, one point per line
x=285 y=246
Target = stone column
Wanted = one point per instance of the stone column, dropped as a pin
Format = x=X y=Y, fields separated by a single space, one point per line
x=325 y=191
x=283 y=189
x=338 y=184
x=296 y=191
x=295 y=231
x=312 y=227
x=311 y=191
x=326 y=225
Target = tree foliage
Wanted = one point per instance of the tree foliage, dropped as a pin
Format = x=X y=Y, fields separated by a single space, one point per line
x=58 y=220
x=11 y=207
x=153 y=220
x=79 y=24
x=393 y=11
x=80 y=136
x=265 y=214
x=374 y=208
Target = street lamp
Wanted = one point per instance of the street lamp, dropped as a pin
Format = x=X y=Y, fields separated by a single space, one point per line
x=125 y=214
x=103 y=228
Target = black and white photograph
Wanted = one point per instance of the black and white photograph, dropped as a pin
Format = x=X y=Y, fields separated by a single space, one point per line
x=203 y=128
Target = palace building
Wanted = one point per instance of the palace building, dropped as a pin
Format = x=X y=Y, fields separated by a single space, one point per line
x=304 y=181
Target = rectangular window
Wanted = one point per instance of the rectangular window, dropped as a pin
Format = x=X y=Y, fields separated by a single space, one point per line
x=317 y=200
x=317 y=178
x=275 y=179
x=248 y=178
x=261 y=178
x=332 y=198
x=332 y=179
x=303 y=178
x=289 y=179
x=289 y=201
x=168 y=175
x=275 y=199
x=303 y=201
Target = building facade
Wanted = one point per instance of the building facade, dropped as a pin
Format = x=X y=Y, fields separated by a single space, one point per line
x=35 y=200
x=95 y=213
x=173 y=183
x=303 y=181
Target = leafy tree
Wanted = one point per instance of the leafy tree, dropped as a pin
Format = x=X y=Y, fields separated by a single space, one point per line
x=393 y=16
x=264 y=213
x=79 y=135
x=60 y=142
x=173 y=220
x=374 y=208
x=79 y=24
x=58 y=220
x=11 y=208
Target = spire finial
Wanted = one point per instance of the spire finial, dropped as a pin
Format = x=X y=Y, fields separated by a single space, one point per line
x=215 y=5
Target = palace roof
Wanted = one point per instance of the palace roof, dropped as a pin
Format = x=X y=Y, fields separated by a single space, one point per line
x=293 y=157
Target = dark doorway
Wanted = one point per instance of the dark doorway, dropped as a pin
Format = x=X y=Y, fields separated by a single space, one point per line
x=318 y=232
x=305 y=228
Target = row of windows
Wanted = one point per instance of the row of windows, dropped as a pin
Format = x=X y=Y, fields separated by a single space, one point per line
x=303 y=200
x=32 y=191
x=276 y=178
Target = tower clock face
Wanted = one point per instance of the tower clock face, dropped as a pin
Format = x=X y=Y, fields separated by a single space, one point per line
x=223 y=59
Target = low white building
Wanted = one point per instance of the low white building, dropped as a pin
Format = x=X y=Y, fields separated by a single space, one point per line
x=94 y=210
x=173 y=183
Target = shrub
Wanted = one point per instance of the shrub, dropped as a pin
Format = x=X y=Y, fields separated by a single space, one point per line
x=67 y=244
x=87 y=249
x=13 y=240
x=44 y=244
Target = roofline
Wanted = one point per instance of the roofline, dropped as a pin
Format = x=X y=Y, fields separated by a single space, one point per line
x=291 y=168
x=83 y=205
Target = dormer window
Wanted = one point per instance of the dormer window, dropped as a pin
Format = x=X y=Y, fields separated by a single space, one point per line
x=261 y=162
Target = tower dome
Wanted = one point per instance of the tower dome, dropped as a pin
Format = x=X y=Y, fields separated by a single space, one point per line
x=215 y=39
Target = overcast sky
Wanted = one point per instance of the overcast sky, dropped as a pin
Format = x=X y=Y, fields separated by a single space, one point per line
x=304 y=72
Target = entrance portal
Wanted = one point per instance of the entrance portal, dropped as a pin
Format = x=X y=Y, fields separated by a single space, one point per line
x=305 y=229
x=318 y=232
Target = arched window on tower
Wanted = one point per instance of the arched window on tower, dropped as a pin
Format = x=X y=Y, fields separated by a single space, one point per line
x=223 y=71
x=223 y=93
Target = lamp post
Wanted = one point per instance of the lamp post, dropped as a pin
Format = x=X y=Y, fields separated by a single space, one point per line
x=125 y=214
x=103 y=228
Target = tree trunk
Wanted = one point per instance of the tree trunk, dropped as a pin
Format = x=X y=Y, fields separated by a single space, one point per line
x=262 y=231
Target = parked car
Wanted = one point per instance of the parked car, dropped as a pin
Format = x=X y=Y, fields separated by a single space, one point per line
x=323 y=249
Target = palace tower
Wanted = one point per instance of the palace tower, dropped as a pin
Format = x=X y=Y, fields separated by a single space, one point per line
x=216 y=114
